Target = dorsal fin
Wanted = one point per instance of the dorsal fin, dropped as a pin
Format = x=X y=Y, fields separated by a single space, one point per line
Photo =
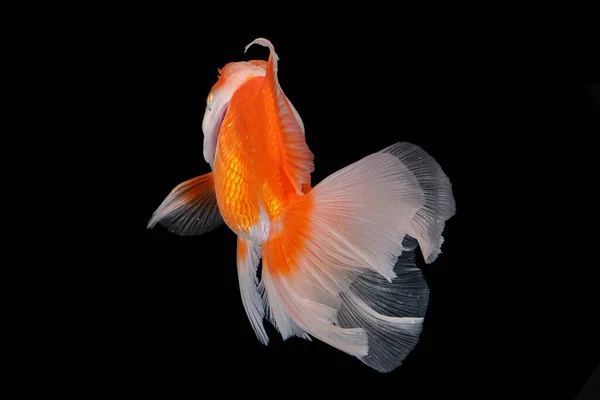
x=298 y=159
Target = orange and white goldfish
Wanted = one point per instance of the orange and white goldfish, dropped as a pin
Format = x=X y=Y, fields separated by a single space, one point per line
x=338 y=259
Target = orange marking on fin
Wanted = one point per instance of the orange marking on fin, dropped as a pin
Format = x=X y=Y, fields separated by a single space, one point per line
x=287 y=241
x=242 y=251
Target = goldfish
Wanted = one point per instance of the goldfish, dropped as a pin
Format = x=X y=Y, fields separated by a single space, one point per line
x=338 y=258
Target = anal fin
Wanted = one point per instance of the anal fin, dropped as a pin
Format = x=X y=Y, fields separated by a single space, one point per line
x=248 y=258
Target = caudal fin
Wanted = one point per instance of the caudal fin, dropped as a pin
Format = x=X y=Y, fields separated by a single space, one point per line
x=331 y=266
x=438 y=206
x=391 y=313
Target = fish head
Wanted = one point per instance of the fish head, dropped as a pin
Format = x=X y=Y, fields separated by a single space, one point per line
x=231 y=77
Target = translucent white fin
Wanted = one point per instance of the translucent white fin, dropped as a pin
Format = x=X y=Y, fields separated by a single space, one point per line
x=275 y=312
x=295 y=112
x=367 y=208
x=295 y=313
x=352 y=222
x=390 y=312
x=190 y=209
x=248 y=258
x=439 y=206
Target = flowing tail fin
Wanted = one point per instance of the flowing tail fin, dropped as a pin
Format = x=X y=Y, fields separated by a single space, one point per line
x=428 y=224
x=331 y=265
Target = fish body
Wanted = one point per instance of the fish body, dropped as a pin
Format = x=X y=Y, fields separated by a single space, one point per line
x=261 y=161
x=338 y=259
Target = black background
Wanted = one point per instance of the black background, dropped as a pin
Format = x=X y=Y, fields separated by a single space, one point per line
x=172 y=321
